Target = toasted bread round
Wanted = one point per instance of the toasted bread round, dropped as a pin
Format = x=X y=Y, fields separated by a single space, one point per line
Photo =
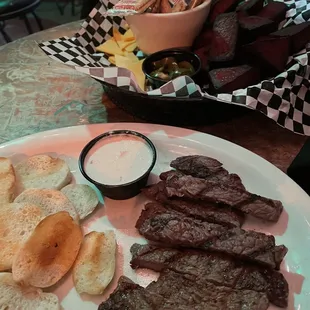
x=43 y=171
x=83 y=197
x=14 y=296
x=94 y=267
x=51 y=201
x=17 y=222
x=49 y=252
x=7 y=180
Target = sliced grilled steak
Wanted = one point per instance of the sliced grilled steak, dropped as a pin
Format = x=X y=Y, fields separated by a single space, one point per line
x=156 y=192
x=207 y=212
x=165 y=175
x=198 y=166
x=178 y=291
x=151 y=257
x=157 y=223
x=183 y=291
x=200 y=210
x=203 y=167
x=219 y=192
x=128 y=295
x=222 y=176
x=215 y=268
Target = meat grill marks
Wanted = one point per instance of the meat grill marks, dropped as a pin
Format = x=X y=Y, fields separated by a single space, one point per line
x=156 y=192
x=200 y=210
x=128 y=295
x=198 y=166
x=151 y=257
x=221 y=193
x=207 y=212
x=231 y=179
x=205 y=167
x=179 y=291
x=215 y=268
x=156 y=223
x=212 y=171
x=213 y=193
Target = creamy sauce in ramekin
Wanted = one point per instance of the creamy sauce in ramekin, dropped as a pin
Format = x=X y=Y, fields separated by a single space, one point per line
x=118 y=159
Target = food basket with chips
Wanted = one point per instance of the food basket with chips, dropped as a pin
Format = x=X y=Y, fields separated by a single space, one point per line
x=253 y=55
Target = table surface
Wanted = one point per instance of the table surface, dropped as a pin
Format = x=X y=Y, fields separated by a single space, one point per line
x=38 y=93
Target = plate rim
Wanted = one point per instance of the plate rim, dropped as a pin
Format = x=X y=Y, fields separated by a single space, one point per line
x=159 y=127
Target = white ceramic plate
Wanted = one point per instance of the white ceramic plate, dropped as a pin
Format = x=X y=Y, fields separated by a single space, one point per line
x=258 y=175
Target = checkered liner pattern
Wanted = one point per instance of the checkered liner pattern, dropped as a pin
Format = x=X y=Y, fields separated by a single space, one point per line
x=285 y=98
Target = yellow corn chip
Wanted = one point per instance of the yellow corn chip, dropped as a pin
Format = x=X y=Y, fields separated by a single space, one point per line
x=122 y=61
x=134 y=67
x=129 y=35
x=131 y=47
x=123 y=44
x=110 y=47
x=131 y=56
x=112 y=60
x=129 y=39
x=117 y=35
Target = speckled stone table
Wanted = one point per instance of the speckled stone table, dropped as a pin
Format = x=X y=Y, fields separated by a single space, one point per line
x=37 y=94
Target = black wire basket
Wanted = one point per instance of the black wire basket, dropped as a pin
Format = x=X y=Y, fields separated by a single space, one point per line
x=173 y=111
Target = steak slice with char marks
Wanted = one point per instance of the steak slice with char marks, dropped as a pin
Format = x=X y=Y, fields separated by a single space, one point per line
x=156 y=192
x=152 y=257
x=215 y=268
x=198 y=166
x=223 y=176
x=218 y=192
x=159 y=224
x=128 y=295
x=200 y=210
x=207 y=212
x=179 y=291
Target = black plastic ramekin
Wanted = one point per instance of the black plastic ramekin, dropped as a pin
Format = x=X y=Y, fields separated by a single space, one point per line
x=119 y=191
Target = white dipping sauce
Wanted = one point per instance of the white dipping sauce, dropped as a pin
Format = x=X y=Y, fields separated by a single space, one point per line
x=118 y=159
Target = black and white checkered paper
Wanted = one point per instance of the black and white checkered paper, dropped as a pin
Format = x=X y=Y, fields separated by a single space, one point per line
x=285 y=98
